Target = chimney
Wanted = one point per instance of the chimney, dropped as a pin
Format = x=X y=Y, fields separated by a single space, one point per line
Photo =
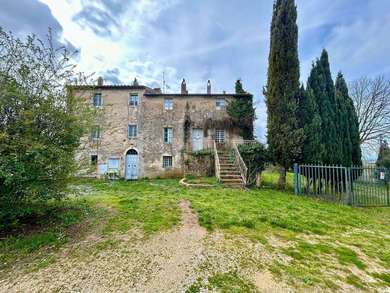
x=100 y=81
x=184 y=87
x=135 y=82
x=209 y=87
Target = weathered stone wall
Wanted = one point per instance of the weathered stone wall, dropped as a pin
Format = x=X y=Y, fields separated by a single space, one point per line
x=199 y=164
x=151 y=118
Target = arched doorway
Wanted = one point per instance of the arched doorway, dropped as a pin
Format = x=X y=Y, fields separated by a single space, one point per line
x=131 y=165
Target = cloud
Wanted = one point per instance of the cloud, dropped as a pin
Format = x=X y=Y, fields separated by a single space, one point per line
x=25 y=17
x=111 y=76
x=221 y=40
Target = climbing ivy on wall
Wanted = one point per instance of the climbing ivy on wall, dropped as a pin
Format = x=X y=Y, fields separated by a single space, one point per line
x=242 y=112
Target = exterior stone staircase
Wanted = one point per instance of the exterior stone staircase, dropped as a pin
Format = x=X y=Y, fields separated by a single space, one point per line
x=229 y=173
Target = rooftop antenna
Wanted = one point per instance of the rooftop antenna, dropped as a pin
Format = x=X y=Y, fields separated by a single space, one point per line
x=164 y=86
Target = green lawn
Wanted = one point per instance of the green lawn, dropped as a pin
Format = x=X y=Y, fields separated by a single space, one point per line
x=323 y=243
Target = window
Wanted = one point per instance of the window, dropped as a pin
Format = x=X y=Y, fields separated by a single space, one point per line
x=219 y=136
x=167 y=162
x=94 y=160
x=133 y=100
x=95 y=132
x=113 y=164
x=168 y=104
x=168 y=135
x=132 y=131
x=220 y=104
x=97 y=100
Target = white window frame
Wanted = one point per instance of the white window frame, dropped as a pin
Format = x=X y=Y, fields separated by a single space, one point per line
x=220 y=104
x=117 y=164
x=168 y=104
x=168 y=135
x=101 y=100
x=96 y=130
x=167 y=159
x=220 y=136
x=135 y=133
x=133 y=100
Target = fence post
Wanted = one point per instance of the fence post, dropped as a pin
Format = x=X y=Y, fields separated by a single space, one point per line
x=296 y=178
x=348 y=184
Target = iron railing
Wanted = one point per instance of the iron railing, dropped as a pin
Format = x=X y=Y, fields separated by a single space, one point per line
x=357 y=185
x=240 y=163
x=216 y=160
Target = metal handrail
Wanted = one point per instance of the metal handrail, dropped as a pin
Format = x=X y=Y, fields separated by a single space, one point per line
x=217 y=164
x=240 y=163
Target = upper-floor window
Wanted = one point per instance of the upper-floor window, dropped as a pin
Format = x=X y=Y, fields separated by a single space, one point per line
x=220 y=104
x=219 y=136
x=95 y=134
x=167 y=162
x=168 y=104
x=168 y=135
x=97 y=100
x=132 y=130
x=133 y=100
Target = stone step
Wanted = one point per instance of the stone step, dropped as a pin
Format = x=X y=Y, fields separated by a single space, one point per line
x=230 y=176
x=231 y=180
x=230 y=172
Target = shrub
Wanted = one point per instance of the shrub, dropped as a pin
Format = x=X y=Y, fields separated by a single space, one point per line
x=40 y=125
x=255 y=156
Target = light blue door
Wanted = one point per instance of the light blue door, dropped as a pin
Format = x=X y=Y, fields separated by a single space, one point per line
x=131 y=166
x=197 y=139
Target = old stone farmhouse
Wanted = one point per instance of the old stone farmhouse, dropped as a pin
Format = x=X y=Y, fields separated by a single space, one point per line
x=142 y=132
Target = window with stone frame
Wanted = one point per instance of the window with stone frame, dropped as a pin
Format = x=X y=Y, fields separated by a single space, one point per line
x=132 y=130
x=95 y=134
x=133 y=100
x=219 y=136
x=97 y=100
x=168 y=104
x=220 y=104
x=168 y=135
x=167 y=162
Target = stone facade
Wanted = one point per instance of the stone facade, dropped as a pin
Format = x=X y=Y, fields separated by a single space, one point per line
x=191 y=118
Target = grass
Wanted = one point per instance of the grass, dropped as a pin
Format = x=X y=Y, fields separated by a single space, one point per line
x=44 y=234
x=318 y=237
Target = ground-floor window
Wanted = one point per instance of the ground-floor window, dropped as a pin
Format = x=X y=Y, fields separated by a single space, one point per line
x=219 y=136
x=94 y=159
x=113 y=164
x=167 y=162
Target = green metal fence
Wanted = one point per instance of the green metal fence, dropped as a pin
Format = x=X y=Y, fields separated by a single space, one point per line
x=357 y=185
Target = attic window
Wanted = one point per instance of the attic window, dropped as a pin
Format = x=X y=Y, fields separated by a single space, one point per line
x=168 y=104
x=133 y=100
x=220 y=104
x=97 y=100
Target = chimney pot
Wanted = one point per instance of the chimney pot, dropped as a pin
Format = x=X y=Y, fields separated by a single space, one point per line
x=209 y=87
x=184 y=87
x=100 y=81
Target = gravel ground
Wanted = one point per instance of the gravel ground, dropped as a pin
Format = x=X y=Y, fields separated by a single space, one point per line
x=170 y=261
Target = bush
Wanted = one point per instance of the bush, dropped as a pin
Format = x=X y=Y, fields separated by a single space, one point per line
x=255 y=156
x=40 y=125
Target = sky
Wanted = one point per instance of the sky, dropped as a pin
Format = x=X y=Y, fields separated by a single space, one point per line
x=220 y=40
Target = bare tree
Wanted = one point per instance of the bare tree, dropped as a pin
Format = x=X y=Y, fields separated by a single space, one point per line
x=371 y=98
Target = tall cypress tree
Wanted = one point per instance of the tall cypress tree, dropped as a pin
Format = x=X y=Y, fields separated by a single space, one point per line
x=343 y=120
x=282 y=90
x=310 y=121
x=321 y=85
x=349 y=121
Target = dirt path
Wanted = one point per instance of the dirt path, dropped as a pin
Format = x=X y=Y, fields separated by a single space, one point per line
x=167 y=262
